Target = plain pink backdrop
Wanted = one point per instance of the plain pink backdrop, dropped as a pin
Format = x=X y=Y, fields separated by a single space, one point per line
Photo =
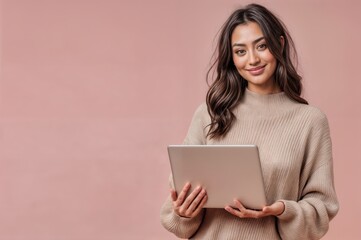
x=93 y=91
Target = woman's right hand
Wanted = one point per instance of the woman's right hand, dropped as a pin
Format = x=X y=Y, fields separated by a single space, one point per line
x=189 y=206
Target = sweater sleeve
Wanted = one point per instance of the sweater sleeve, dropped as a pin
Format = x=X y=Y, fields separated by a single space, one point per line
x=309 y=217
x=185 y=227
x=182 y=227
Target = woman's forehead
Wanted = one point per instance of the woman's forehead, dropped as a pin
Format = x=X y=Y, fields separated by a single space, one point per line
x=246 y=33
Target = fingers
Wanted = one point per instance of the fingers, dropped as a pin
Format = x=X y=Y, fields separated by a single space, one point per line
x=200 y=194
x=243 y=212
x=239 y=204
x=173 y=195
x=232 y=211
x=183 y=194
x=191 y=205
x=200 y=205
x=267 y=209
x=192 y=197
x=196 y=203
x=275 y=209
x=191 y=202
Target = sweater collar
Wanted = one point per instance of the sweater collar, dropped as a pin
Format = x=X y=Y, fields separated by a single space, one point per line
x=264 y=98
x=265 y=103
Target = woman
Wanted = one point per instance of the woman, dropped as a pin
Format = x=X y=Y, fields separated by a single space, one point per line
x=255 y=99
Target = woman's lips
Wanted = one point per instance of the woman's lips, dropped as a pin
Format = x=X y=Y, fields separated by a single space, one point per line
x=257 y=70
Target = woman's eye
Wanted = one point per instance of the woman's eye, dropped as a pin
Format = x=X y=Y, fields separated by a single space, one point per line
x=240 y=52
x=262 y=46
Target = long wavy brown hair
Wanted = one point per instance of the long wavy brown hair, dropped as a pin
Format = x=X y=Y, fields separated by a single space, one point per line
x=228 y=86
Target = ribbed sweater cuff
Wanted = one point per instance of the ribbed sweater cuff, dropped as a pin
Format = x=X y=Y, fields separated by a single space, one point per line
x=181 y=226
x=289 y=211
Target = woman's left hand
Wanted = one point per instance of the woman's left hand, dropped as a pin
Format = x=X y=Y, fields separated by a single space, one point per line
x=239 y=210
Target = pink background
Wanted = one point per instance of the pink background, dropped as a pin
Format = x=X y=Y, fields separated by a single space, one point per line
x=93 y=91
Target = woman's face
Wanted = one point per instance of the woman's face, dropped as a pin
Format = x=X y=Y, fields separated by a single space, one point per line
x=252 y=58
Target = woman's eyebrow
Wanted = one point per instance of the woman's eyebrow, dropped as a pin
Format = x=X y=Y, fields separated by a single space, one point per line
x=242 y=44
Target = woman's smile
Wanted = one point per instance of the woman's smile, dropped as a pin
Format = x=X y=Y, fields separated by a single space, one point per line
x=257 y=70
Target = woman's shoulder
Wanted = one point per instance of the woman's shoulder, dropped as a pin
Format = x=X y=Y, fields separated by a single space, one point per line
x=202 y=110
x=201 y=115
x=313 y=114
x=197 y=130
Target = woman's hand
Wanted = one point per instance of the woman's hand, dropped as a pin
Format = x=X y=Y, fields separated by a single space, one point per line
x=189 y=206
x=275 y=209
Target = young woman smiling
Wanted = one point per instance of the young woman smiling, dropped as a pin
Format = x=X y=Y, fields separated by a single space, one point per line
x=255 y=98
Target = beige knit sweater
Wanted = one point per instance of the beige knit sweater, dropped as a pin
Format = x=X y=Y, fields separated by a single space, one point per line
x=296 y=156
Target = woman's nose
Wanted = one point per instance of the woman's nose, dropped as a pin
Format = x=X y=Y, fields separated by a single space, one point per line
x=253 y=58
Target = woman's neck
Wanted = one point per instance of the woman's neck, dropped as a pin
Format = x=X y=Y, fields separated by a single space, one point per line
x=264 y=90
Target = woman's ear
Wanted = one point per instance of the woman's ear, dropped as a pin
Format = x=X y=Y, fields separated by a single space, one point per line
x=282 y=39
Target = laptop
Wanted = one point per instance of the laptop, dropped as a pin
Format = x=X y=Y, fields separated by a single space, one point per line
x=225 y=171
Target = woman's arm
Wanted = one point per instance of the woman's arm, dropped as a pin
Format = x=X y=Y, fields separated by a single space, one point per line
x=309 y=217
x=183 y=216
x=176 y=215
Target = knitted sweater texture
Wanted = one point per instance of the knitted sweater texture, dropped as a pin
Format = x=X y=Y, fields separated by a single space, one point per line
x=296 y=157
